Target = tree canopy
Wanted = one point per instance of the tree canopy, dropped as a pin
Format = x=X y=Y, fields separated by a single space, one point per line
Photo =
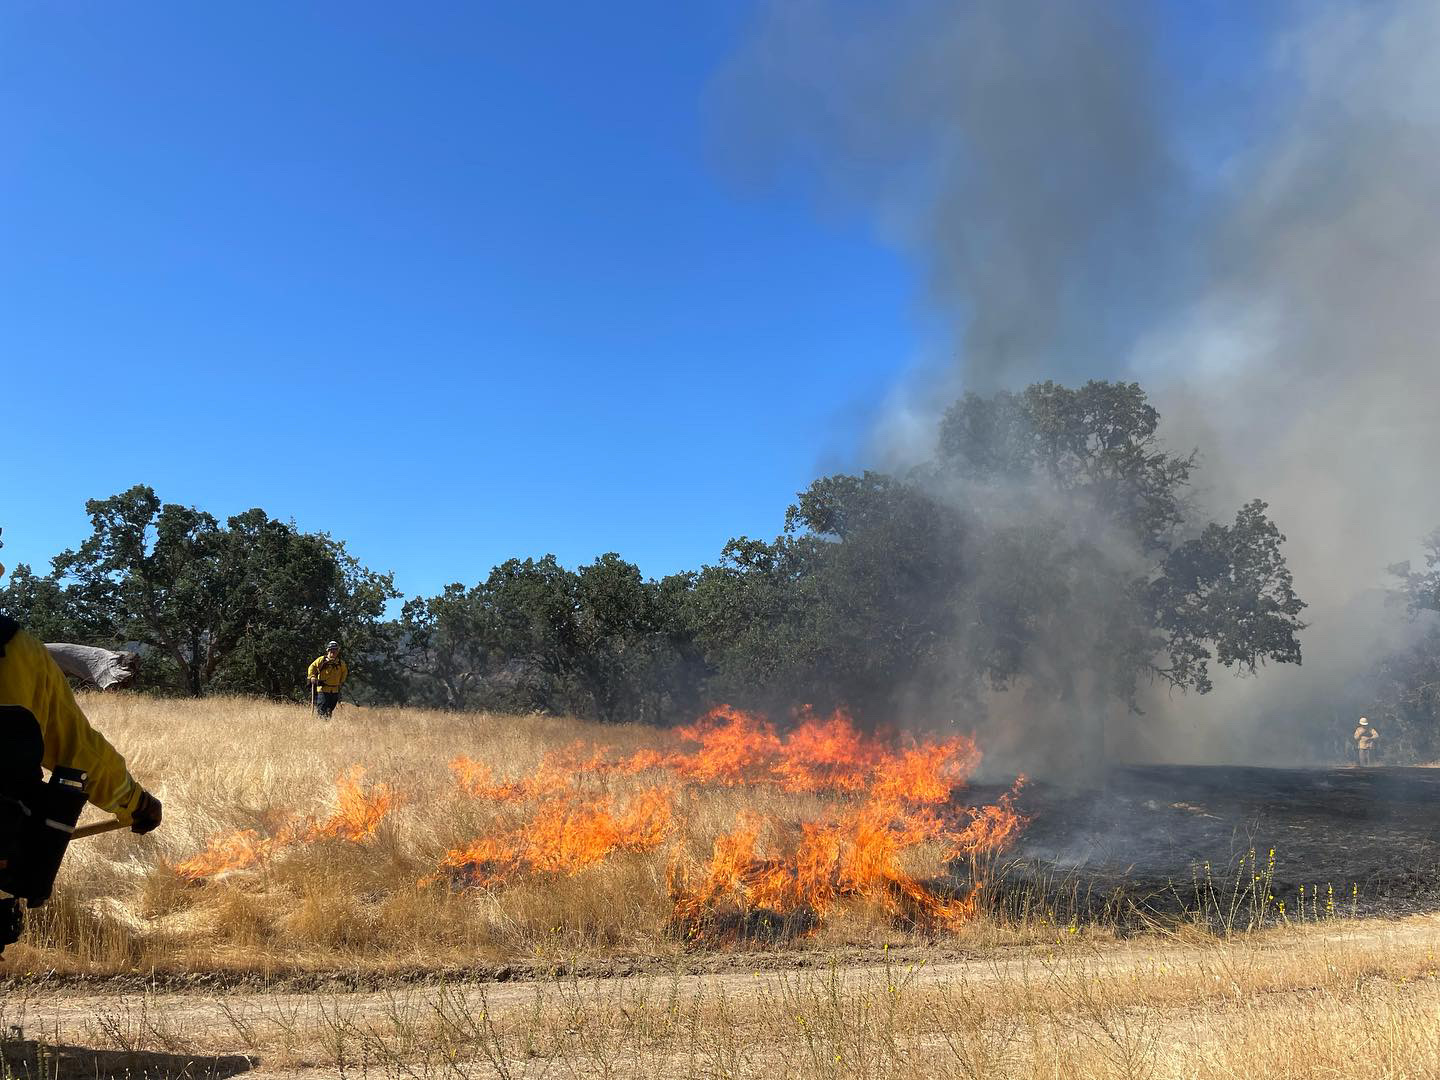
x=229 y=606
x=600 y=641
x=1052 y=540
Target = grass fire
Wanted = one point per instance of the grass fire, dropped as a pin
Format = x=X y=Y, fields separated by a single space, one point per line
x=828 y=818
x=769 y=541
x=755 y=882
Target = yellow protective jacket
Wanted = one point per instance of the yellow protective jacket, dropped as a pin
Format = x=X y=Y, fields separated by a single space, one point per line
x=330 y=675
x=28 y=677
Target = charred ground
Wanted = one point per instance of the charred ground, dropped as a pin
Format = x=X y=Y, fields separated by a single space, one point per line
x=1140 y=844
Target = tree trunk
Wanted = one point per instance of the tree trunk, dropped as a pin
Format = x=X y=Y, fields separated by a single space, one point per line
x=96 y=667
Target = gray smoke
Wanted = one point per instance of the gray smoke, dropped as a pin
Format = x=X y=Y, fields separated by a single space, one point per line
x=1086 y=202
x=1016 y=149
x=1307 y=364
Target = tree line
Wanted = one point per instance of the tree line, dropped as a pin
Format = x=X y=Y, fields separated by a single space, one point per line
x=1406 y=680
x=1052 y=540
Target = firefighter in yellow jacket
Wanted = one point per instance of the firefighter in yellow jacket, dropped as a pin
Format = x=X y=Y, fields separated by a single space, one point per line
x=327 y=676
x=41 y=724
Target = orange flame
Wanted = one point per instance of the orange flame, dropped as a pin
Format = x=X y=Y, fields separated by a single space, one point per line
x=871 y=802
x=555 y=775
x=564 y=837
x=358 y=814
x=827 y=754
x=928 y=773
x=229 y=851
x=858 y=855
x=886 y=801
x=992 y=828
x=732 y=744
x=474 y=777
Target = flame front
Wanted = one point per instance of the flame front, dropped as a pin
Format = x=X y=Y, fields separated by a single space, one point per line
x=359 y=810
x=880 y=801
x=564 y=837
x=229 y=851
x=849 y=817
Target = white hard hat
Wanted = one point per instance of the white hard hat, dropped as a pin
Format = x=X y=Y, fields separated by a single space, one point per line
x=1363 y=720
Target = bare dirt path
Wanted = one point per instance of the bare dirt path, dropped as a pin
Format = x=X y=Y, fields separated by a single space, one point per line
x=111 y=1030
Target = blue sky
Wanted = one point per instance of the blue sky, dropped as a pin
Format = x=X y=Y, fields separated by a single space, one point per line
x=461 y=281
x=453 y=284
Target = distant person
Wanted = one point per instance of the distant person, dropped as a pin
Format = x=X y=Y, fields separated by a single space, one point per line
x=1365 y=738
x=41 y=725
x=327 y=675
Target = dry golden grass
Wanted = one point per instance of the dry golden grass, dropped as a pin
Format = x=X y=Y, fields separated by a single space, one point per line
x=1336 y=998
x=224 y=764
x=227 y=764
x=1358 y=1001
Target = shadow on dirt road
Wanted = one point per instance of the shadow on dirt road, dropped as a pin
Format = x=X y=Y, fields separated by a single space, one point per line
x=27 y=1058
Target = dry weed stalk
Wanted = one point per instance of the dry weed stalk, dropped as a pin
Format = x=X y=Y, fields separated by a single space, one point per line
x=1288 y=1002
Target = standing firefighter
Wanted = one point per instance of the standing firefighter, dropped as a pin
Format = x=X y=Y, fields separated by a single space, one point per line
x=42 y=725
x=1365 y=738
x=327 y=675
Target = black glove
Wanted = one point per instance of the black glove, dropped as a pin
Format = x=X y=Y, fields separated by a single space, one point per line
x=147 y=815
x=12 y=922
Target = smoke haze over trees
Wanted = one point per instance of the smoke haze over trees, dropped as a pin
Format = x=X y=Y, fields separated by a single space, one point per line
x=1087 y=192
x=1231 y=203
x=1050 y=544
x=1407 y=677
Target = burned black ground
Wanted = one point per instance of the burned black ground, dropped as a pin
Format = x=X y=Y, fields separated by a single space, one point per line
x=1169 y=839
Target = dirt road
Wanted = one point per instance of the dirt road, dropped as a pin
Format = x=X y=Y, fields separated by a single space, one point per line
x=683 y=1024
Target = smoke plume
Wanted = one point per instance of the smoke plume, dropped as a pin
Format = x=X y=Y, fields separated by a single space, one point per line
x=1235 y=209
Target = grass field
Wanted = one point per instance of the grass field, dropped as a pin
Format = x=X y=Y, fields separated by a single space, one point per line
x=770 y=904
x=394 y=839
